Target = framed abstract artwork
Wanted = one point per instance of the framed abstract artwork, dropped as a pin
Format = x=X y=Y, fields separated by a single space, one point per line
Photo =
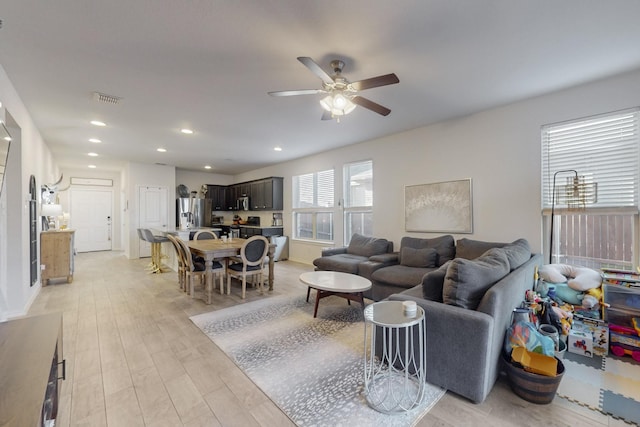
x=440 y=207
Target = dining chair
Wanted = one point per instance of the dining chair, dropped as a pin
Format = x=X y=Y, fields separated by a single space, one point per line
x=180 y=257
x=251 y=264
x=197 y=269
x=204 y=234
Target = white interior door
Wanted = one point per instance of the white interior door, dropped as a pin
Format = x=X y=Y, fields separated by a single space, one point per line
x=154 y=212
x=91 y=214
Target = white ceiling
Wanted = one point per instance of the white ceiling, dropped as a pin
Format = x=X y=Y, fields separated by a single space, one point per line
x=208 y=65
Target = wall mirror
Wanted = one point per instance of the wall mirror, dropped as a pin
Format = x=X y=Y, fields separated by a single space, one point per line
x=5 y=141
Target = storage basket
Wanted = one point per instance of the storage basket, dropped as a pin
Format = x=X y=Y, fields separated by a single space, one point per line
x=534 y=388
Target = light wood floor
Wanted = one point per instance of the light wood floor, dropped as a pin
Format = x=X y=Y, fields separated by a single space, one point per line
x=135 y=359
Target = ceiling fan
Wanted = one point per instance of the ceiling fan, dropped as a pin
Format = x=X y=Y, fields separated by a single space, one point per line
x=342 y=95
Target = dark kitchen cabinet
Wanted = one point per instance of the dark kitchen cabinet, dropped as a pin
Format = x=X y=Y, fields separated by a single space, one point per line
x=246 y=232
x=218 y=195
x=266 y=194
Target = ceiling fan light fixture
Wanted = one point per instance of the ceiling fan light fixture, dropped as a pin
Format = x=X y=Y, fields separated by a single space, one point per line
x=337 y=104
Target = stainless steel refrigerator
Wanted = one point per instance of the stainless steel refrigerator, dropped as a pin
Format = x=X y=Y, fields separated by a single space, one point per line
x=198 y=211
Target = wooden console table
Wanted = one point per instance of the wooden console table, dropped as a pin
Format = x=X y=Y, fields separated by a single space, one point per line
x=56 y=255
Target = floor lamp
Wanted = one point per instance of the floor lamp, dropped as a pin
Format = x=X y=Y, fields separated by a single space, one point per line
x=576 y=194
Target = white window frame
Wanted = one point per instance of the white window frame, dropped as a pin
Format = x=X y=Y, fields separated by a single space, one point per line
x=318 y=200
x=362 y=202
x=606 y=150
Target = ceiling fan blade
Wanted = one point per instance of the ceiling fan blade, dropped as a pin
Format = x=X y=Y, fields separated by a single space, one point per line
x=368 y=104
x=387 y=79
x=315 y=69
x=296 y=92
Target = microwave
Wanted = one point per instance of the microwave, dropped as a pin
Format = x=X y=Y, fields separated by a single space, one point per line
x=242 y=203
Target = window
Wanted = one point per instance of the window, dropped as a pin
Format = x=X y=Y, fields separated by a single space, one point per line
x=313 y=196
x=358 y=199
x=604 y=150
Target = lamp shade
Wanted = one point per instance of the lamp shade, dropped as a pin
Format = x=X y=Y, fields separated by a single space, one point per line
x=337 y=104
x=51 y=209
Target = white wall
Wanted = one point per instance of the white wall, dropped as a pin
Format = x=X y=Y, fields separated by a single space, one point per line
x=498 y=149
x=139 y=175
x=29 y=155
x=194 y=180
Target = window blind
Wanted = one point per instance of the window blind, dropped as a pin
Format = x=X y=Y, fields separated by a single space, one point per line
x=313 y=190
x=602 y=148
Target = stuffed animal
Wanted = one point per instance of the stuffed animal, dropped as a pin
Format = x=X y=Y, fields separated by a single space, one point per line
x=579 y=278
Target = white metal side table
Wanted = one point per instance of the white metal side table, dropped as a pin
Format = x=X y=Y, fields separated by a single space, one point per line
x=394 y=380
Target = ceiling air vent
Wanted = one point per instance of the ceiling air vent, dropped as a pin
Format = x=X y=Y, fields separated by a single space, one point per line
x=103 y=97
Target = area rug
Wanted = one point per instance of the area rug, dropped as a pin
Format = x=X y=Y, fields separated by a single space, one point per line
x=312 y=368
x=589 y=381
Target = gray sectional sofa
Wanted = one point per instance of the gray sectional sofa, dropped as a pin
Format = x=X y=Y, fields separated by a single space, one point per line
x=468 y=291
x=349 y=258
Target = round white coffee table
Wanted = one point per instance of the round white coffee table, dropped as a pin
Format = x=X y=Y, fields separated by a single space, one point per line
x=394 y=379
x=327 y=283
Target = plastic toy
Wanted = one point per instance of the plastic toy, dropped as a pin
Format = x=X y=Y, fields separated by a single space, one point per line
x=625 y=341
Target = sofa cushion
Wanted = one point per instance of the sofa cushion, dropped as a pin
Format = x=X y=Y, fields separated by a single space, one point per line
x=433 y=282
x=466 y=280
x=426 y=257
x=367 y=246
x=400 y=275
x=345 y=263
x=444 y=246
x=518 y=252
x=472 y=249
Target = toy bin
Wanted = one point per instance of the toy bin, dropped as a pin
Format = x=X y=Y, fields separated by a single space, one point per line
x=620 y=316
x=534 y=388
x=622 y=296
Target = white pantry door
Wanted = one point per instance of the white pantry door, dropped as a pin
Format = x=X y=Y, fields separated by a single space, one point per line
x=91 y=214
x=153 y=213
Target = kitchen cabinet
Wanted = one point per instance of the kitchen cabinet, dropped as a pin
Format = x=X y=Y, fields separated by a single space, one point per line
x=30 y=363
x=246 y=232
x=218 y=196
x=56 y=255
x=266 y=194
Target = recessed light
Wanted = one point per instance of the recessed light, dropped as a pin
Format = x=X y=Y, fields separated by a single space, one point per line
x=207 y=167
x=98 y=123
x=161 y=150
x=92 y=154
x=95 y=140
x=92 y=166
x=277 y=148
x=186 y=131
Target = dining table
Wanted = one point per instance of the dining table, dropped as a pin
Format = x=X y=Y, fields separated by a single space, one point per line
x=213 y=249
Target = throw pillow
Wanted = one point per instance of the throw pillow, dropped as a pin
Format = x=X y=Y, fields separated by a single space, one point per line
x=467 y=281
x=367 y=246
x=472 y=249
x=433 y=282
x=517 y=252
x=444 y=246
x=421 y=258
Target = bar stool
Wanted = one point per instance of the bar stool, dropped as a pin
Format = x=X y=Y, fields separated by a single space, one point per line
x=151 y=265
x=156 y=249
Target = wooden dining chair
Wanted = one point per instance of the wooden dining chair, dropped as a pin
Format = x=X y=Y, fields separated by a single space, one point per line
x=181 y=264
x=251 y=264
x=204 y=234
x=197 y=269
